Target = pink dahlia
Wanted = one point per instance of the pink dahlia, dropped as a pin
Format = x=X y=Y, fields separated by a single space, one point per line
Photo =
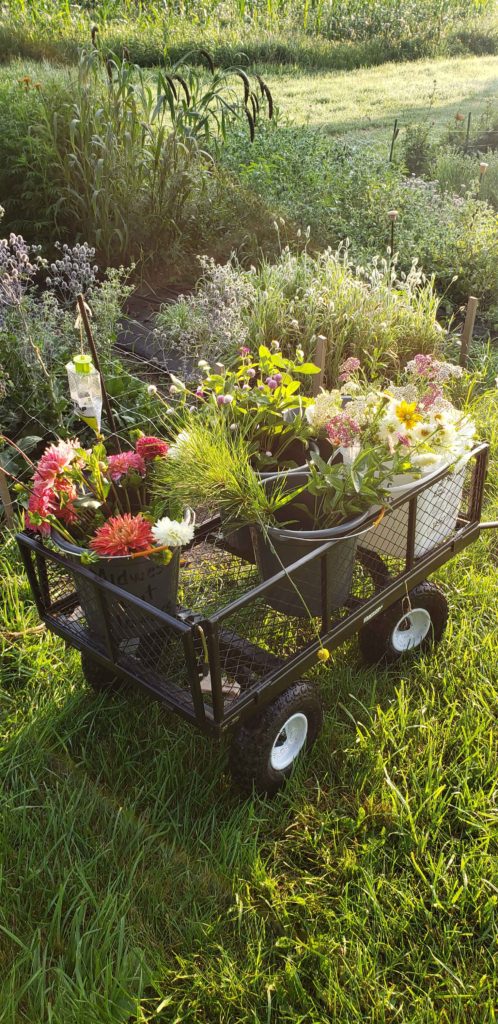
x=342 y=430
x=152 y=447
x=40 y=504
x=55 y=460
x=122 y=535
x=125 y=462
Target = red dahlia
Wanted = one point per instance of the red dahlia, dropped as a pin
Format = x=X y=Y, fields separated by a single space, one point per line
x=151 y=448
x=122 y=535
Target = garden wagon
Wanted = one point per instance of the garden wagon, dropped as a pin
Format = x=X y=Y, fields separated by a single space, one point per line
x=231 y=658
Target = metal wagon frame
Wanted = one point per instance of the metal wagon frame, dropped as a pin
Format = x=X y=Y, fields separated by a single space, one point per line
x=171 y=656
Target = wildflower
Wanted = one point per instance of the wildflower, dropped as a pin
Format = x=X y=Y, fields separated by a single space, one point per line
x=122 y=535
x=151 y=389
x=323 y=654
x=326 y=405
x=272 y=383
x=275 y=346
x=125 y=462
x=407 y=414
x=342 y=430
x=172 y=534
x=151 y=448
x=244 y=351
x=277 y=377
x=347 y=368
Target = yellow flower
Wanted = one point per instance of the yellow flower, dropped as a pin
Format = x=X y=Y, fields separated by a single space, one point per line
x=406 y=414
x=323 y=654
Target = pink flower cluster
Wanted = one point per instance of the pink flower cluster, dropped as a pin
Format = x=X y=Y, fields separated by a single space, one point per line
x=146 y=449
x=434 y=370
x=342 y=430
x=347 y=368
x=53 y=493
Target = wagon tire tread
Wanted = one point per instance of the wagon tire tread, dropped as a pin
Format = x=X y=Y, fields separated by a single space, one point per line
x=253 y=741
x=375 y=637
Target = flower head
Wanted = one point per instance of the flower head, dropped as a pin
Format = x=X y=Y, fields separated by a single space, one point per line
x=350 y=366
x=122 y=535
x=125 y=462
x=151 y=448
x=407 y=414
x=326 y=405
x=342 y=430
x=171 y=533
x=55 y=460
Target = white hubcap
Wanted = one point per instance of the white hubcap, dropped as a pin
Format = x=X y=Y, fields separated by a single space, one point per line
x=411 y=630
x=289 y=742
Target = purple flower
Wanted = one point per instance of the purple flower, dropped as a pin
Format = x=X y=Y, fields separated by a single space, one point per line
x=277 y=377
x=220 y=399
x=244 y=350
x=272 y=383
x=251 y=373
x=200 y=393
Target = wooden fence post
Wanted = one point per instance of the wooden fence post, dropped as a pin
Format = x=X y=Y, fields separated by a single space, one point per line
x=319 y=360
x=468 y=328
x=6 y=500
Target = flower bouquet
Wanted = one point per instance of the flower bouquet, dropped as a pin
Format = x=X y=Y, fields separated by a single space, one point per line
x=97 y=508
x=261 y=398
x=419 y=432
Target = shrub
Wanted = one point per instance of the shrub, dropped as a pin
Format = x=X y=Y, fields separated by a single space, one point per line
x=460 y=174
x=367 y=311
x=37 y=334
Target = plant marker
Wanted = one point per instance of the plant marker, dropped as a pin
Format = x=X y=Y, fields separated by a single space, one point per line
x=85 y=388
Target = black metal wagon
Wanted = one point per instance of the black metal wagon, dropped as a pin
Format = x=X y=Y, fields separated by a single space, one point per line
x=232 y=658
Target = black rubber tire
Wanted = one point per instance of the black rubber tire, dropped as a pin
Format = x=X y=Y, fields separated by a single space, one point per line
x=100 y=678
x=252 y=743
x=376 y=637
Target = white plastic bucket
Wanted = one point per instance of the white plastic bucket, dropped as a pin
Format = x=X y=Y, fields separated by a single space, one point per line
x=438 y=508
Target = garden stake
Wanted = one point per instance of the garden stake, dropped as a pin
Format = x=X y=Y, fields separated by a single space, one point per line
x=319 y=360
x=6 y=500
x=469 y=118
x=393 y=140
x=93 y=349
x=468 y=329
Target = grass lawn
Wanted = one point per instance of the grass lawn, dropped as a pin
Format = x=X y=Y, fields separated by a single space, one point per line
x=136 y=886
x=372 y=97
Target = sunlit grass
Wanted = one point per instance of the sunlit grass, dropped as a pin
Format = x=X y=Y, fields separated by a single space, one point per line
x=370 y=98
x=136 y=886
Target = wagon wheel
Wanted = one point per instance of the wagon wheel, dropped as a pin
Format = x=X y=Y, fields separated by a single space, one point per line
x=405 y=626
x=266 y=747
x=100 y=678
x=375 y=566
